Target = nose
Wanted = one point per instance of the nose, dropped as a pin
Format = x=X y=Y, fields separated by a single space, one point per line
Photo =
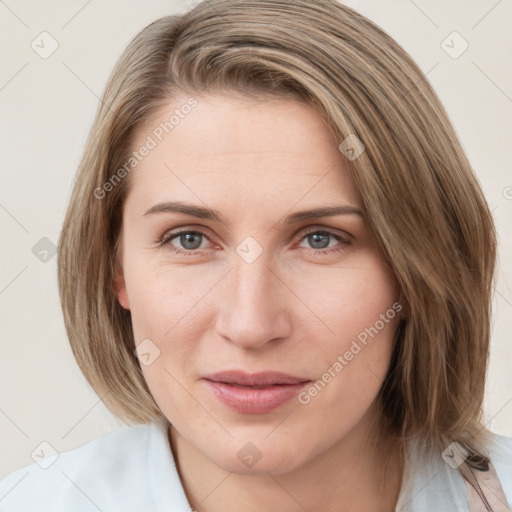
x=253 y=306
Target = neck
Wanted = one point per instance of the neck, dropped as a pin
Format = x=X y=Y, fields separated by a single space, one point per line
x=362 y=472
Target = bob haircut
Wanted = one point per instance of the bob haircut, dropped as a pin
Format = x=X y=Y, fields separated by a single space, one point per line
x=422 y=202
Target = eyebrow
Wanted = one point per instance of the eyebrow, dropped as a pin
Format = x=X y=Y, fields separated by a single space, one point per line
x=210 y=214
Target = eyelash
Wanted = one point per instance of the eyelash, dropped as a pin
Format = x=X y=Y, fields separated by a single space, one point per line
x=168 y=236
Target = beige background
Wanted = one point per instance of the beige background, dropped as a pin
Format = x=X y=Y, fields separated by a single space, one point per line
x=47 y=108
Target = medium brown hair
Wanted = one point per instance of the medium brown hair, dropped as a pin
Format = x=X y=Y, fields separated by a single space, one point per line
x=421 y=199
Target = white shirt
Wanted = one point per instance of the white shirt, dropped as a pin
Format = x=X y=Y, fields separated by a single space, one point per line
x=133 y=470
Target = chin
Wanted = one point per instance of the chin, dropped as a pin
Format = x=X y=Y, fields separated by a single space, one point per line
x=255 y=459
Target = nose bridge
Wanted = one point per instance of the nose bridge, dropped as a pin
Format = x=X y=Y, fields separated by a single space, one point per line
x=252 y=311
x=252 y=284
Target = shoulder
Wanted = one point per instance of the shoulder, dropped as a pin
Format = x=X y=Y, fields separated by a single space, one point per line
x=430 y=483
x=500 y=453
x=100 y=474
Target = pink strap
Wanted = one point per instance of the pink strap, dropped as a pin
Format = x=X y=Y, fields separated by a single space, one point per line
x=492 y=489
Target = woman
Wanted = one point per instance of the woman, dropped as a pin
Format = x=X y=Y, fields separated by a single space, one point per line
x=278 y=262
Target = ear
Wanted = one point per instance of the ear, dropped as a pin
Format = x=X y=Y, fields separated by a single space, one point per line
x=120 y=287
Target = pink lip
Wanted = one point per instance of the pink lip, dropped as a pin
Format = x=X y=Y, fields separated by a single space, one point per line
x=254 y=394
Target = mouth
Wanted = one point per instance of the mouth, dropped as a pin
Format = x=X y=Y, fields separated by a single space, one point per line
x=254 y=394
x=262 y=379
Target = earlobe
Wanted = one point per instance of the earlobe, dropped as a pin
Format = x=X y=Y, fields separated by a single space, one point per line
x=120 y=288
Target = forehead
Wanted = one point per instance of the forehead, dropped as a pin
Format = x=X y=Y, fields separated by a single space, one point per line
x=280 y=147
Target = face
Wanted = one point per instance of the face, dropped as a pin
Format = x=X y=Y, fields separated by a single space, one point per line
x=254 y=286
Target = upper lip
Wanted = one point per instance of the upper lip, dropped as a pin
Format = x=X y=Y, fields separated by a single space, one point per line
x=254 y=379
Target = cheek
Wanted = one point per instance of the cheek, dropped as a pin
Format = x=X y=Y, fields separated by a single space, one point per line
x=162 y=299
x=168 y=321
x=353 y=299
x=359 y=358
x=362 y=313
x=349 y=382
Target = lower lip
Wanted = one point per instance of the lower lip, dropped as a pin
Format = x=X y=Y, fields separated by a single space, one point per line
x=249 y=400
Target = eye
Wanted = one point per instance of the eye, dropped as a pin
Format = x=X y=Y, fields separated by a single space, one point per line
x=190 y=241
x=320 y=238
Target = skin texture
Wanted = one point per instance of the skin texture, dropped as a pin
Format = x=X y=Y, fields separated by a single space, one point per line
x=295 y=309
